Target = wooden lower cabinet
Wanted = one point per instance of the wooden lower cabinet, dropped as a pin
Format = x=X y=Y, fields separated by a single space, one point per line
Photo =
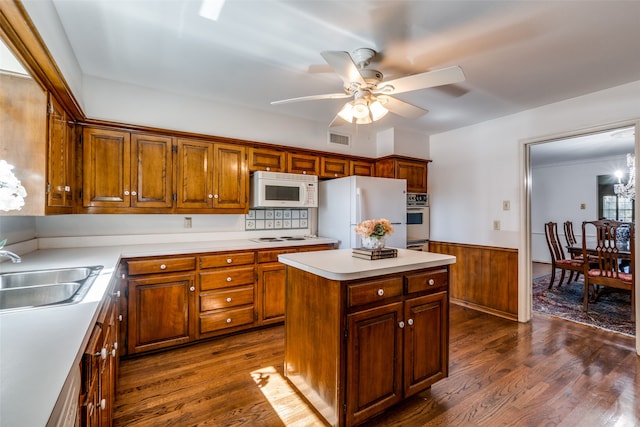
x=178 y=299
x=383 y=339
x=160 y=311
x=99 y=365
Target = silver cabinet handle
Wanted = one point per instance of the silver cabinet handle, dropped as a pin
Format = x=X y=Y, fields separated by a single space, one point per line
x=228 y=299
x=116 y=294
x=192 y=288
x=401 y=324
x=210 y=196
x=102 y=353
x=229 y=320
x=380 y=292
x=103 y=403
x=410 y=322
x=215 y=196
x=163 y=266
x=126 y=192
x=431 y=282
x=229 y=260
x=120 y=317
x=133 y=193
x=229 y=279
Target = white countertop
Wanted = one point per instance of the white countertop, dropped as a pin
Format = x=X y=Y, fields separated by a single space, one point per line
x=340 y=265
x=39 y=347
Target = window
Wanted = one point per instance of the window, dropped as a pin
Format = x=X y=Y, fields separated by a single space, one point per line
x=611 y=206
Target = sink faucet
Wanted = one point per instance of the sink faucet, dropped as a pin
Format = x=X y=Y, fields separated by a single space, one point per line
x=14 y=258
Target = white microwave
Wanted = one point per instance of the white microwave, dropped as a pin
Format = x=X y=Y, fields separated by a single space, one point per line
x=283 y=190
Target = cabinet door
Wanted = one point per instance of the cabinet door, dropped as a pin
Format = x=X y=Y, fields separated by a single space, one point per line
x=194 y=175
x=151 y=171
x=426 y=332
x=230 y=177
x=374 y=361
x=415 y=173
x=106 y=166
x=303 y=163
x=272 y=290
x=160 y=311
x=60 y=173
x=333 y=167
x=264 y=159
x=361 y=168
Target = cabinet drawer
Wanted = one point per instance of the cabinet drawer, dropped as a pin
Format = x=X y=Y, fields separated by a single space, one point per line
x=226 y=260
x=227 y=277
x=226 y=298
x=226 y=319
x=372 y=291
x=161 y=265
x=431 y=280
x=272 y=256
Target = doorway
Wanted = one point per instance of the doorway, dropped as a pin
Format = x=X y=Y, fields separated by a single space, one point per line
x=563 y=186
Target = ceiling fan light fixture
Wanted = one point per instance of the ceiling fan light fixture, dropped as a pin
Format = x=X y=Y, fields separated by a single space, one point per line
x=377 y=110
x=360 y=108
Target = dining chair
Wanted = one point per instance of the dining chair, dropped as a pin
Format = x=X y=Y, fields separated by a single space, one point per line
x=558 y=260
x=610 y=256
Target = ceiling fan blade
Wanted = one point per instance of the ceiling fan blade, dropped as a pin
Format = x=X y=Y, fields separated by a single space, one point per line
x=443 y=76
x=313 y=97
x=343 y=64
x=402 y=108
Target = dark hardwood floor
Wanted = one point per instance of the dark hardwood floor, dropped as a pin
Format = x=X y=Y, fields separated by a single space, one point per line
x=547 y=372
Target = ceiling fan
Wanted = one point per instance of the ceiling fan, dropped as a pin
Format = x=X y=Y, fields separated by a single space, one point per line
x=371 y=94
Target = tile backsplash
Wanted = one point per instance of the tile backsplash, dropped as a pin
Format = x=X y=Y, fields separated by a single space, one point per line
x=276 y=219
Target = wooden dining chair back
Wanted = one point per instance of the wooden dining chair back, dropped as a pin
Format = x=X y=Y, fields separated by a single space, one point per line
x=558 y=260
x=612 y=257
x=569 y=235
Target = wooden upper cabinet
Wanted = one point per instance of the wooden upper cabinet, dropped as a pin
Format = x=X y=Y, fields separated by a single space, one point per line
x=194 y=174
x=124 y=170
x=361 y=168
x=413 y=170
x=307 y=164
x=230 y=177
x=211 y=175
x=60 y=163
x=151 y=171
x=106 y=168
x=333 y=167
x=265 y=159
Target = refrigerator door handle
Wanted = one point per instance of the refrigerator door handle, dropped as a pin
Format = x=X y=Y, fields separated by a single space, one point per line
x=358 y=205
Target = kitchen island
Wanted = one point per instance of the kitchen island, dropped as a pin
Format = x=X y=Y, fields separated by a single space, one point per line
x=361 y=335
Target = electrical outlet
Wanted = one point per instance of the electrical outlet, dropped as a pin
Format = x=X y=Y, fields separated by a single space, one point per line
x=506 y=205
x=187 y=222
x=496 y=225
x=583 y=206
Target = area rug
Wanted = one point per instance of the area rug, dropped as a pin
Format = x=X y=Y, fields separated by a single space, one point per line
x=612 y=311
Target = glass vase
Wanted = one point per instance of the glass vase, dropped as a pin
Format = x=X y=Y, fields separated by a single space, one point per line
x=372 y=242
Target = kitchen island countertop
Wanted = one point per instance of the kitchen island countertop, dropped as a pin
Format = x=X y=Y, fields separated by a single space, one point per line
x=340 y=265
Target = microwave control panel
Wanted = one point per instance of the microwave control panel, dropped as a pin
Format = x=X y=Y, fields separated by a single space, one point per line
x=417 y=199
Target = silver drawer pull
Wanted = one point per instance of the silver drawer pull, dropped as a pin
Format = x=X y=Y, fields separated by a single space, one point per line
x=380 y=292
x=228 y=299
x=192 y=288
x=229 y=320
x=432 y=282
x=163 y=266
x=410 y=322
x=229 y=279
x=229 y=260
x=401 y=324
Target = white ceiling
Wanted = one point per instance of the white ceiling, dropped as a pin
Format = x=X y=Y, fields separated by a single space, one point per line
x=516 y=55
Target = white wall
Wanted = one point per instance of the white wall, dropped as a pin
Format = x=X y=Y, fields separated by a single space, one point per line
x=557 y=192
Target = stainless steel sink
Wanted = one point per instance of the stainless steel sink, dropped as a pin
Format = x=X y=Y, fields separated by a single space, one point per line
x=28 y=289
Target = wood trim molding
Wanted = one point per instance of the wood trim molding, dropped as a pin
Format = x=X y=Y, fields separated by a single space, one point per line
x=20 y=34
x=484 y=278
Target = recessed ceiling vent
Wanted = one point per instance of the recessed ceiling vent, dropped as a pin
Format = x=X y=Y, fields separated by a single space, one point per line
x=336 y=138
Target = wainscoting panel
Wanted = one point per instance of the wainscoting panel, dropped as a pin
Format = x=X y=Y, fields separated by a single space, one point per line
x=484 y=278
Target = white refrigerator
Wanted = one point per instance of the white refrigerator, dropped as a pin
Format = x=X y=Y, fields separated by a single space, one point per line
x=345 y=202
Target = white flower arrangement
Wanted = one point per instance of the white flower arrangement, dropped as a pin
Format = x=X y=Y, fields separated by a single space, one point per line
x=12 y=193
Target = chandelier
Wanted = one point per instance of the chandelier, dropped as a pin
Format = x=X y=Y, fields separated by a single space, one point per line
x=627 y=190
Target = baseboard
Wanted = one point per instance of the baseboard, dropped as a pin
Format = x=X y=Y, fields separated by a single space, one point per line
x=484 y=309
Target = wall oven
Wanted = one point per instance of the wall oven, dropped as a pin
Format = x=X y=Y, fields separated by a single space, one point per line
x=417 y=221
